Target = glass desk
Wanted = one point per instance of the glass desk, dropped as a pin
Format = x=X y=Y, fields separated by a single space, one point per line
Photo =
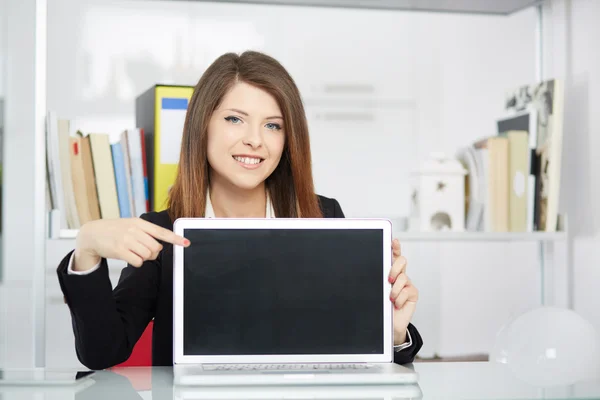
x=452 y=381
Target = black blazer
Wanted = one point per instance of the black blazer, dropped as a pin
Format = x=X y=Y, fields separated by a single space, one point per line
x=107 y=323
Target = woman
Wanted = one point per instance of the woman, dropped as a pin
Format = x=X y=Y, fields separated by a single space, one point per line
x=245 y=153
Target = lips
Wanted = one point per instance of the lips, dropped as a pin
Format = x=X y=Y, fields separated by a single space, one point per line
x=248 y=160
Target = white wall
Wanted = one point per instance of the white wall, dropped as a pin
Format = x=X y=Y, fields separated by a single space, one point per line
x=572 y=33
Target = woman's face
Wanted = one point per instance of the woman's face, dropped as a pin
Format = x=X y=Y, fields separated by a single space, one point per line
x=245 y=137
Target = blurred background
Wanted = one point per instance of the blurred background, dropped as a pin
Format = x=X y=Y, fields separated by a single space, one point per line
x=401 y=99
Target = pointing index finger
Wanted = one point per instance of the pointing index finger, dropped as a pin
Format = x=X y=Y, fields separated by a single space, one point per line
x=165 y=235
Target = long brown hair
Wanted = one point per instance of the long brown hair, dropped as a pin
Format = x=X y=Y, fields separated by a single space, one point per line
x=290 y=186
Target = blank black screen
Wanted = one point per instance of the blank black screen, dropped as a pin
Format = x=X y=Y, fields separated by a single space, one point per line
x=252 y=292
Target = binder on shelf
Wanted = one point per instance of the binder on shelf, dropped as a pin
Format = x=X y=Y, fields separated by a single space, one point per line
x=160 y=113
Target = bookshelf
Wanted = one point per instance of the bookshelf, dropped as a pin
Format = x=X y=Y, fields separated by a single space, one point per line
x=481 y=236
x=429 y=236
x=24 y=187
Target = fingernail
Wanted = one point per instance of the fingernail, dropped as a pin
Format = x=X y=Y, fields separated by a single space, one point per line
x=186 y=242
x=392 y=299
x=391 y=279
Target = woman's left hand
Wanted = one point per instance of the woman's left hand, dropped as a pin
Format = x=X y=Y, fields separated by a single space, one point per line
x=404 y=295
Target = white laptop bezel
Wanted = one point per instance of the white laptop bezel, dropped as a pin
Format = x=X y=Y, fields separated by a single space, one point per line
x=281 y=223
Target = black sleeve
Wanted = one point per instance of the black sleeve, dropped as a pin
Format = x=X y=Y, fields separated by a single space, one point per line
x=407 y=355
x=337 y=210
x=107 y=323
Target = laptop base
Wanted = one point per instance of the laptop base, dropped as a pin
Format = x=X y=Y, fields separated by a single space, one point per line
x=375 y=374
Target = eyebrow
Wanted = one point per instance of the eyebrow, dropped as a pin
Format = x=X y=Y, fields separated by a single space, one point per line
x=246 y=114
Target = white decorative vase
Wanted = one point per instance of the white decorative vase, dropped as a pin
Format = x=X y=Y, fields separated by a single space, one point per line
x=440 y=194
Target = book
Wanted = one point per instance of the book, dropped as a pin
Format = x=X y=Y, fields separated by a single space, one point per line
x=104 y=174
x=136 y=162
x=64 y=143
x=121 y=179
x=79 y=186
x=89 y=178
x=498 y=177
x=546 y=98
x=520 y=220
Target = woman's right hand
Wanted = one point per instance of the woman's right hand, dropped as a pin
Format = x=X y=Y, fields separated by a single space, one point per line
x=133 y=240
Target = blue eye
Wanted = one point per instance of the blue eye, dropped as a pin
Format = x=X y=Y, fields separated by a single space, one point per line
x=233 y=120
x=272 y=126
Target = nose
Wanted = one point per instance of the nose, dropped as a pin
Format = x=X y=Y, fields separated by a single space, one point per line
x=253 y=137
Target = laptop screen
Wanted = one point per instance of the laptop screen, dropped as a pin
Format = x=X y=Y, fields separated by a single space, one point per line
x=283 y=291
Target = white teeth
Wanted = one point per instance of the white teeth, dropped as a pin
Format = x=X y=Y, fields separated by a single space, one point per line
x=247 y=160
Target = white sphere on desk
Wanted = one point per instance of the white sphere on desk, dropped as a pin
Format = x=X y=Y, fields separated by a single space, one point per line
x=549 y=346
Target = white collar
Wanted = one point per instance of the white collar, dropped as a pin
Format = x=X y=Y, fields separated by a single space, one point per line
x=210 y=212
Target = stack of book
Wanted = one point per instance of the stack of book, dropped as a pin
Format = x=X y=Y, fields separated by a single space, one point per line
x=91 y=178
x=96 y=175
x=513 y=180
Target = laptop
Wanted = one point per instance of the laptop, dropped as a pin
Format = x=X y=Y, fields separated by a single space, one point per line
x=284 y=301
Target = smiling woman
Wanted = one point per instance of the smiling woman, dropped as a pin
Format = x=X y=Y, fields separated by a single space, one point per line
x=244 y=153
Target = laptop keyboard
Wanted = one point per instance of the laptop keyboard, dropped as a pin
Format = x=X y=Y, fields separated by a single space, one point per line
x=276 y=367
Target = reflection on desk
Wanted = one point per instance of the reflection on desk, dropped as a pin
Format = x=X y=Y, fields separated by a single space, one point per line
x=479 y=380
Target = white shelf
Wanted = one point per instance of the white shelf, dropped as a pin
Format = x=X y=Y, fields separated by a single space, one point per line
x=436 y=236
x=480 y=236
x=66 y=234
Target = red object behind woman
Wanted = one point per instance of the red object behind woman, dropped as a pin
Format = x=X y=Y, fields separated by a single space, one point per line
x=141 y=356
